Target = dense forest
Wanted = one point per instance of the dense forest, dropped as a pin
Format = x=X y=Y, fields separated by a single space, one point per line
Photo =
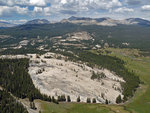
x=9 y=105
x=21 y=51
x=14 y=78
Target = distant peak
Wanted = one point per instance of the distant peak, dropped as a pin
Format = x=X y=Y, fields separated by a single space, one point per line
x=38 y=21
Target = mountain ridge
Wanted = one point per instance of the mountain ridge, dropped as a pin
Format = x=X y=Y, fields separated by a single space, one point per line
x=106 y=21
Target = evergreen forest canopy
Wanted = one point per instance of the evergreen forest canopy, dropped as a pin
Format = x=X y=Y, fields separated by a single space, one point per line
x=9 y=105
x=14 y=78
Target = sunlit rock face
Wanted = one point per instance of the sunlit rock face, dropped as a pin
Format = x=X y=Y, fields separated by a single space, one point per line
x=53 y=75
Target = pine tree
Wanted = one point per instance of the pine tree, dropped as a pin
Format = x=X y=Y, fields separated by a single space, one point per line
x=63 y=98
x=53 y=99
x=88 y=100
x=118 y=99
x=68 y=99
x=94 y=100
x=49 y=99
x=106 y=102
x=78 y=99
x=59 y=98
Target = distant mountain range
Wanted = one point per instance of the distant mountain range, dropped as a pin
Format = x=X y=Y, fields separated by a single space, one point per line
x=6 y=24
x=86 y=21
x=106 y=21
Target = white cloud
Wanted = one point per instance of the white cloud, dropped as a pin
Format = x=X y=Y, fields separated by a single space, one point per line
x=20 y=10
x=14 y=2
x=63 y=1
x=146 y=7
x=38 y=9
x=6 y=10
x=37 y=2
x=23 y=2
x=123 y=9
x=84 y=5
x=66 y=8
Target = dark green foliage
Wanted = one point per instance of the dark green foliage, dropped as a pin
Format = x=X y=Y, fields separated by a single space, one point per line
x=30 y=97
x=59 y=98
x=106 y=102
x=9 y=105
x=88 y=100
x=118 y=99
x=68 y=99
x=47 y=98
x=98 y=76
x=32 y=31
x=21 y=51
x=48 y=57
x=94 y=100
x=53 y=99
x=62 y=98
x=78 y=99
x=14 y=78
x=137 y=36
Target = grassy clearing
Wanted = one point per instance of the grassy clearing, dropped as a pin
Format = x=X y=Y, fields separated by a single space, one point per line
x=140 y=103
x=48 y=107
x=80 y=108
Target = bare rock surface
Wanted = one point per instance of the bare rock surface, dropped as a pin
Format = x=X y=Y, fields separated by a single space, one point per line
x=57 y=77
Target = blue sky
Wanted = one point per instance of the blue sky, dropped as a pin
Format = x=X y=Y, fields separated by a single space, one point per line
x=20 y=11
